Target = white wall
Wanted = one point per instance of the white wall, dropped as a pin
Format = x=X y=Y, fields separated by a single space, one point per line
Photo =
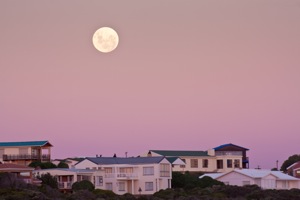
x=235 y=178
x=85 y=164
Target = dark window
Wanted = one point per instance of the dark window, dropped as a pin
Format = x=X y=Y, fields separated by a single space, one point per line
x=205 y=163
x=219 y=164
x=229 y=163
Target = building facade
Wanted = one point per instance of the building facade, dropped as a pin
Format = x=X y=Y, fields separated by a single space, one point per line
x=135 y=175
x=66 y=177
x=20 y=172
x=266 y=179
x=220 y=159
x=294 y=169
x=23 y=153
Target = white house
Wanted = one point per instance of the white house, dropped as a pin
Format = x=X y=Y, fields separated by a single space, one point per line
x=135 y=175
x=66 y=177
x=266 y=179
x=223 y=158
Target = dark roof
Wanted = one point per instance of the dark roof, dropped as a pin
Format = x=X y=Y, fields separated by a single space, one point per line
x=131 y=160
x=229 y=145
x=172 y=159
x=28 y=143
x=169 y=153
x=14 y=167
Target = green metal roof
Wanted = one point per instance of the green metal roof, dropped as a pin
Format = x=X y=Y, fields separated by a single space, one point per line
x=28 y=143
x=172 y=159
x=179 y=153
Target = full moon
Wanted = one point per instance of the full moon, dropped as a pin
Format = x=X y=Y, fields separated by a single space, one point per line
x=105 y=39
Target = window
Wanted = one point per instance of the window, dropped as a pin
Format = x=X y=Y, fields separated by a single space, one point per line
x=165 y=170
x=229 y=163
x=147 y=171
x=149 y=186
x=108 y=170
x=98 y=180
x=205 y=163
x=219 y=164
x=121 y=186
x=194 y=163
x=108 y=186
x=237 y=163
x=182 y=166
x=126 y=170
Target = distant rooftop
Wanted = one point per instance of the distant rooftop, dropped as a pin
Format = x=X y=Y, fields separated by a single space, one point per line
x=9 y=167
x=130 y=160
x=175 y=153
x=27 y=143
x=229 y=145
x=253 y=173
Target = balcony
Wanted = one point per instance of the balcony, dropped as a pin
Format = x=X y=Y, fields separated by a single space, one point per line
x=229 y=153
x=65 y=185
x=121 y=175
x=246 y=160
x=12 y=157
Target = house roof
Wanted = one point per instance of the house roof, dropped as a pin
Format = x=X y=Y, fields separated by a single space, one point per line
x=283 y=176
x=27 y=143
x=131 y=160
x=171 y=159
x=212 y=175
x=291 y=166
x=229 y=145
x=9 y=167
x=254 y=173
x=175 y=153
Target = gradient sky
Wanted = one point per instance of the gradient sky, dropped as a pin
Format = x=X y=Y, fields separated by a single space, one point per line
x=187 y=75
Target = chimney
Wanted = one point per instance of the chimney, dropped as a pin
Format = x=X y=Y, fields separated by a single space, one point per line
x=149 y=154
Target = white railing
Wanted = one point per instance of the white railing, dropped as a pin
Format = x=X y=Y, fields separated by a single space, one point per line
x=229 y=153
x=65 y=185
x=121 y=175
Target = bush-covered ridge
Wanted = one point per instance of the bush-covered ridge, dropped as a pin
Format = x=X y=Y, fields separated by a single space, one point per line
x=193 y=189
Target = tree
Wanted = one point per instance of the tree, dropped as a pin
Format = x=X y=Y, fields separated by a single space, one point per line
x=49 y=180
x=83 y=185
x=62 y=165
x=42 y=165
x=291 y=160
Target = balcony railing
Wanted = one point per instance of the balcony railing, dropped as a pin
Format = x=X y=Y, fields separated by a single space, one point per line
x=121 y=175
x=8 y=157
x=229 y=153
x=65 y=185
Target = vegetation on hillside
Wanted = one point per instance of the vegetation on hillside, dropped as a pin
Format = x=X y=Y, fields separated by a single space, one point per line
x=191 y=189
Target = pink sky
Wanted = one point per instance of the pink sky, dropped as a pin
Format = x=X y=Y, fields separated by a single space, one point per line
x=187 y=75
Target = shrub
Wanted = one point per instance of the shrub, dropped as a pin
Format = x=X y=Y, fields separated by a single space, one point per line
x=104 y=193
x=62 y=165
x=83 y=185
x=49 y=180
x=42 y=165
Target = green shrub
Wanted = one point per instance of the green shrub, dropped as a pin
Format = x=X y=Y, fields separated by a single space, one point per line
x=83 y=185
x=62 y=165
x=48 y=179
